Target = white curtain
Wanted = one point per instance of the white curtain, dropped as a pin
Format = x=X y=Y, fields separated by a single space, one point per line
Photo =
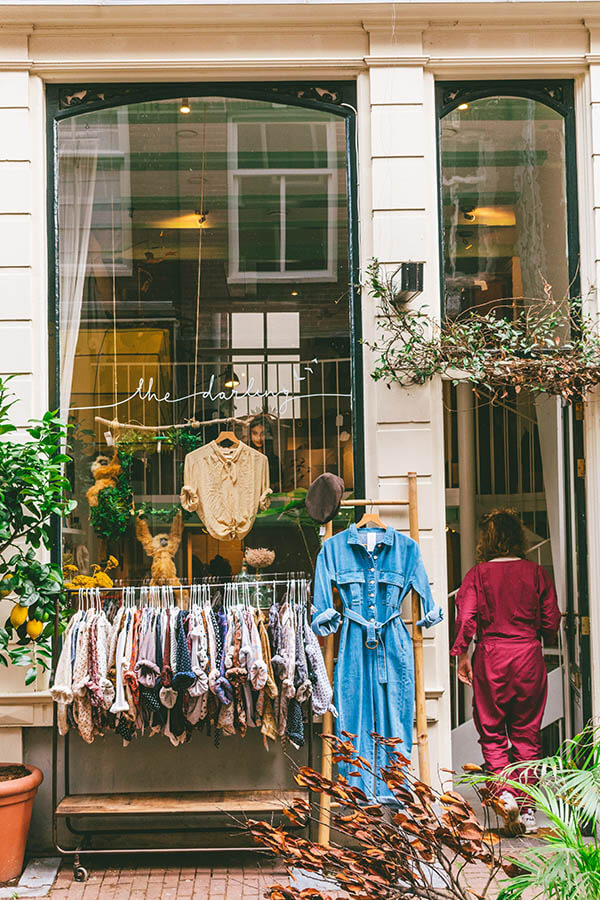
x=549 y=419
x=77 y=182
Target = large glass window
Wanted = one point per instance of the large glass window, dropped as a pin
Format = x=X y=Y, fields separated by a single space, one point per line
x=204 y=286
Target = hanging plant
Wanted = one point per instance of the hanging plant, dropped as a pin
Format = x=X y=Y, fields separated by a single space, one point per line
x=112 y=513
x=133 y=439
x=547 y=346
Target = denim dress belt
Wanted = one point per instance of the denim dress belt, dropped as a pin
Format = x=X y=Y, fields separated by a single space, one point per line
x=373 y=640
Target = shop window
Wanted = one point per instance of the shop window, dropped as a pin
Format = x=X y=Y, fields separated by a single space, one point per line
x=204 y=265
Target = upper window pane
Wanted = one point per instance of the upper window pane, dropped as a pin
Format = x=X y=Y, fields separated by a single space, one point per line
x=504 y=202
x=203 y=253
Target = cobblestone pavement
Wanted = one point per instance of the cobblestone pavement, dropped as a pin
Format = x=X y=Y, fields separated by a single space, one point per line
x=221 y=878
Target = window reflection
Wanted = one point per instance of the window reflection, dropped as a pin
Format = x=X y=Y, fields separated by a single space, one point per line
x=204 y=285
x=504 y=202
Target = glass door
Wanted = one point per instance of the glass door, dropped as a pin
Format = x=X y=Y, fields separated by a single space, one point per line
x=508 y=244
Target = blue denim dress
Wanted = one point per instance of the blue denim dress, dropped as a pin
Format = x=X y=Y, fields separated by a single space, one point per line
x=374 y=686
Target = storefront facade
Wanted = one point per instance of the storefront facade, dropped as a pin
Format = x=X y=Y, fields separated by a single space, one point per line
x=190 y=198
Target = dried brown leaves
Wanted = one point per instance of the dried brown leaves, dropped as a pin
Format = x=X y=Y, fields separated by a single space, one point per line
x=378 y=853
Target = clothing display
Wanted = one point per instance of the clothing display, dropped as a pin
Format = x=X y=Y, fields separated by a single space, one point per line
x=373 y=571
x=149 y=670
x=226 y=486
x=507 y=605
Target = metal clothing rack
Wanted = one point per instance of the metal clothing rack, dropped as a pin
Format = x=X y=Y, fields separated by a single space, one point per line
x=422 y=740
x=167 y=806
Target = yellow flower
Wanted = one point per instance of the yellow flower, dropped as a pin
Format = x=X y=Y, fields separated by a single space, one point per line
x=101 y=579
x=111 y=563
x=81 y=581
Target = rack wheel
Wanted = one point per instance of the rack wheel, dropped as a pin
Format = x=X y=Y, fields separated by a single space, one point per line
x=80 y=873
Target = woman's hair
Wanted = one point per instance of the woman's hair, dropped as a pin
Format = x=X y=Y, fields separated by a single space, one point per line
x=501 y=533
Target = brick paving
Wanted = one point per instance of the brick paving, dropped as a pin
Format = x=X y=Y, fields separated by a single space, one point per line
x=235 y=877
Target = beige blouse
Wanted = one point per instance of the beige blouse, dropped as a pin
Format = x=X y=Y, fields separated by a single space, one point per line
x=226 y=486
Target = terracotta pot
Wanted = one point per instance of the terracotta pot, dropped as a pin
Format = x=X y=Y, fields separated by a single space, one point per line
x=16 y=805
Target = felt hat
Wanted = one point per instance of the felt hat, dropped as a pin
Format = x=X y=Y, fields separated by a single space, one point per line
x=324 y=496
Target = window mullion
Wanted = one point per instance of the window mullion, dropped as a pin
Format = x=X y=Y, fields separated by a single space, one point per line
x=282 y=217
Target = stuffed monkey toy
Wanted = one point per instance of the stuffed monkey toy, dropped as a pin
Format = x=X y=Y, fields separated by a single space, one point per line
x=161 y=548
x=106 y=473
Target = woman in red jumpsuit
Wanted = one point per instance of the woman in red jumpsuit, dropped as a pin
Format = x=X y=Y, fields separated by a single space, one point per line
x=507 y=603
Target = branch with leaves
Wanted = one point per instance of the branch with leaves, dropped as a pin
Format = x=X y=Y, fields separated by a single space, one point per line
x=33 y=489
x=423 y=850
x=547 y=346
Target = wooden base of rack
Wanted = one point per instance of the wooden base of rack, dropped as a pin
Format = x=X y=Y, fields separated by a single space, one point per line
x=172 y=803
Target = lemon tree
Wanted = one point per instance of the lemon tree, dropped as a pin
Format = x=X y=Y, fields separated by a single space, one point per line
x=33 y=491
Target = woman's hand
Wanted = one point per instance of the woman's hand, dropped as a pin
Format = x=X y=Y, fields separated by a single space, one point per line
x=464 y=669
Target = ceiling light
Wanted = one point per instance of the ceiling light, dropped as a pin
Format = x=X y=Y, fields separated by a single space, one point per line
x=295 y=293
x=231 y=380
x=186 y=132
x=185 y=107
x=463 y=106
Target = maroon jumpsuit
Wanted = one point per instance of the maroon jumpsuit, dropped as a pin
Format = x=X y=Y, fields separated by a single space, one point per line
x=507 y=605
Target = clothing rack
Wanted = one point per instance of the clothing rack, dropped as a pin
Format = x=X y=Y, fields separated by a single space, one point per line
x=417 y=641
x=173 y=593
x=166 y=806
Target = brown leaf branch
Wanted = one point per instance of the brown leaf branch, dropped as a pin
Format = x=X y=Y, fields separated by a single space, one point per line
x=382 y=852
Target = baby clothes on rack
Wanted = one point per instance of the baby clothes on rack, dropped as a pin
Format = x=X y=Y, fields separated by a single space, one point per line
x=224 y=665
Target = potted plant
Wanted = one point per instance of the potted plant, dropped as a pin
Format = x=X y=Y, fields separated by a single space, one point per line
x=33 y=488
x=18 y=787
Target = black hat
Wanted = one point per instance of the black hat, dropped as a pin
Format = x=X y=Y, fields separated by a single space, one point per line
x=324 y=496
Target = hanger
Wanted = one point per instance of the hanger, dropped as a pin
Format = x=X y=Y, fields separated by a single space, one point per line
x=227 y=436
x=371 y=518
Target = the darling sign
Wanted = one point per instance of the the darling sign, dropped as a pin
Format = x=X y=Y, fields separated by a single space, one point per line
x=149 y=395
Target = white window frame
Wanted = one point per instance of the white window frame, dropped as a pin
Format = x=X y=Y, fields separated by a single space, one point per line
x=234 y=174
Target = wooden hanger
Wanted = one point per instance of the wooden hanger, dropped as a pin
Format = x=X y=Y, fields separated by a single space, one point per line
x=227 y=436
x=371 y=518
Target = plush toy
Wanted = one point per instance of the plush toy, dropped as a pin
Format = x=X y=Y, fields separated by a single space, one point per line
x=106 y=474
x=161 y=548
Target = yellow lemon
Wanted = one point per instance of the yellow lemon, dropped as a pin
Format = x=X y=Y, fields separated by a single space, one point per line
x=4 y=593
x=18 y=615
x=34 y=628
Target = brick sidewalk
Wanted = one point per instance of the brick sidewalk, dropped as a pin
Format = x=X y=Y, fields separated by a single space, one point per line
x=234 y=877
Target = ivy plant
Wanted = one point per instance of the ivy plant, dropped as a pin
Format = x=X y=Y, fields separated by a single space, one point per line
x=547 y=346
x=33 y=489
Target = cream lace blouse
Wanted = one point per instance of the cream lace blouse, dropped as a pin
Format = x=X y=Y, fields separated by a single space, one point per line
x=226 y=486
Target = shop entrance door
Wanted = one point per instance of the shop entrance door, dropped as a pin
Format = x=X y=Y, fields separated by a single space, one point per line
x=508 y=207
x=513 y=453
